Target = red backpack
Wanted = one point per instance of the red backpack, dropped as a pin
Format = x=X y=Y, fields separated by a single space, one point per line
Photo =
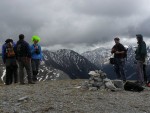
x=10 y=50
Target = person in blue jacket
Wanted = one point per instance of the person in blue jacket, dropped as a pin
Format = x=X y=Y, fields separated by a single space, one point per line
x=9 y=59
x=36 y=56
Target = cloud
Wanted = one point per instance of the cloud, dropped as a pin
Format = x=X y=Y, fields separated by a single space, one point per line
x=74 y=23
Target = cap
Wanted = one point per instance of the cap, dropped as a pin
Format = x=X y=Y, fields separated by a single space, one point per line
x=116 y=38
x=139 y=36
x=8 y=40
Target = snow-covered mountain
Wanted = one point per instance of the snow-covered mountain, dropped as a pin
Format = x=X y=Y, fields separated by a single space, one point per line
x=70 y=62
x=100 y=57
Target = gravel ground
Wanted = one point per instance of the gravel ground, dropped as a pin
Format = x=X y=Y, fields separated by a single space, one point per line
x=63 y=96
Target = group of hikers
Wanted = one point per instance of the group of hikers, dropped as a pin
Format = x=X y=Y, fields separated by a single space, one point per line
x=120 y=53
x=20 y=55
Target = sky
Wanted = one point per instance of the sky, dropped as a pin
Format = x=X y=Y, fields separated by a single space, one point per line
x=80 y=25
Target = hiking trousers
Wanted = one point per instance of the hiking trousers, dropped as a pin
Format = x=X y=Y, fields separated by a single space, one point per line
x=144 y=72
x=35 y=68
x=11 y=75
x=140 y=73
x=119 y=68
x=11 y=71
x=25 y=62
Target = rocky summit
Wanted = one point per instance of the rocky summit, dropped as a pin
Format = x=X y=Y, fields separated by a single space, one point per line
x=67 y=96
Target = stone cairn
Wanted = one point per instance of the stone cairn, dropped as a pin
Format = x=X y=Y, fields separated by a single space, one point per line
x=98 y=80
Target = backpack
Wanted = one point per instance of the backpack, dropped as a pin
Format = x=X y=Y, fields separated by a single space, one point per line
x=21 y=50
x=130 y=86
x=10 y=50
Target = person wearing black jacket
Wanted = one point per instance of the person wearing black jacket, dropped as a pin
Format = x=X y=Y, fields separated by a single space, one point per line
x=140 y=55
x=119 y=52
x=24 y=59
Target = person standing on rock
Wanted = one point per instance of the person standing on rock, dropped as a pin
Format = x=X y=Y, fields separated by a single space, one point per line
x=140 y=55
x=9 y=59
x=24 y=59
x=36 y=56
x=119 y=52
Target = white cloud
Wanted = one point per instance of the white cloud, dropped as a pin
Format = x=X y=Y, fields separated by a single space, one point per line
x=74 y=24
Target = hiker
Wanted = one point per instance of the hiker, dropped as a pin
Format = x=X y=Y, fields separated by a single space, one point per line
x=9 y=59
x=119 y=52
x=36 y=56
x=140 y=55
x=24 y=59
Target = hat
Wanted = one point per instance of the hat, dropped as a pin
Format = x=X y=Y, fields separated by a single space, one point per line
x=139 y=36
x=8 y=40
x=116 y=38
x=37 y=38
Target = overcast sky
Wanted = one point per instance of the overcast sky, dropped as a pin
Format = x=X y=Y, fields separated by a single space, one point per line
x=75 y=24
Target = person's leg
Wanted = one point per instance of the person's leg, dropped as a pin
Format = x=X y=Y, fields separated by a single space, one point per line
x=140 y=71
x=21 y=72
x=8 y=74
x=122 y=69
x=29 y=71
x=37 y=68
x=11 y=75
x=33 y=62
x=15 y=73
x=144 y=72
x=116 y=68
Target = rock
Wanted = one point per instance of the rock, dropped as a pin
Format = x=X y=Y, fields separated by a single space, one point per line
x=92 y=88
x=23 y=99
x=94 y=74
x=118 y=84
x=4 y=103
x=17 y=104
x=99 y=80
x=85 y=85
x=109 y=84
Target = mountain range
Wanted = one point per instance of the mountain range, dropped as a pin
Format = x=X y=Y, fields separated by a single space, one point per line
x=61 y=64
x=68 y=64
x=100 y=57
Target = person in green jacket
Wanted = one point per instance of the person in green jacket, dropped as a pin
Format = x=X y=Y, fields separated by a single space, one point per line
x=140 y=55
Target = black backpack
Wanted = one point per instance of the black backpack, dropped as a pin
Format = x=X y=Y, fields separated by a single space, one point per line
x=21 y=50
x=130 y=86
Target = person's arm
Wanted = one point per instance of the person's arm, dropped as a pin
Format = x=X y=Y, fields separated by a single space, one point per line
x=113 y=50
x=122 y=50
x=28 y=50
x=32 y=49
